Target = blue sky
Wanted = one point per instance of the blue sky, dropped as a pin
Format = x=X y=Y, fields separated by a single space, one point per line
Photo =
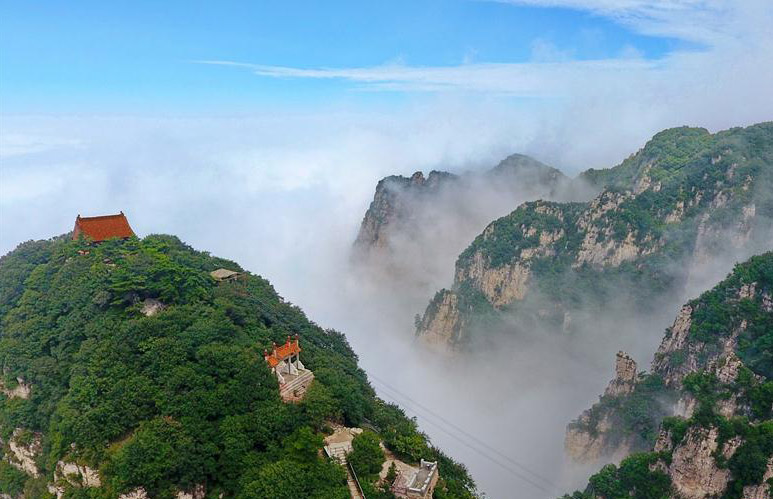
x=91 y=56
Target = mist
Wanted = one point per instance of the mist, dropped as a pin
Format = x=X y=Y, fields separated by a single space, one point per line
x=285 y=197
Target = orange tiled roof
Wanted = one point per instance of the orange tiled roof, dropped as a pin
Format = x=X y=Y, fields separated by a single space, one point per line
x=100 y=228
x=291 y=347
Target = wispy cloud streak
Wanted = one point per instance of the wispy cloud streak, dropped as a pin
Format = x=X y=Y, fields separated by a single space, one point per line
x=522 y=79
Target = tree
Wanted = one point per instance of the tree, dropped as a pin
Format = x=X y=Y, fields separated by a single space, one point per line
x=366 y=457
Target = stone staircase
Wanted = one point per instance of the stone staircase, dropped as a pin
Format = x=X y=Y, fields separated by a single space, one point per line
x=339 y=454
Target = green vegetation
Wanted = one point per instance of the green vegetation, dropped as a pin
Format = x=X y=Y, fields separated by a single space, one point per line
x=366 y=456
x=506 y=237
x=749 y=462
x=182 y=397
x=715 y=315
x=633 y=479
x=11 y=480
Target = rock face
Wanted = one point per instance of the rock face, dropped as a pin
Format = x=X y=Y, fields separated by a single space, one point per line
x=693 y=470
x=625 y=376
x=21 y=390
x=24 y=448
x=657 y=228
x=586 y=446
x=442 y=327
x=138 y=493
x=679 y=355
x=395 y=199
x=82 y=474
x=198 y=492
x=591 y=436
x=501 y=285
x=761 y=491
x=75 y=475
x=151 y=307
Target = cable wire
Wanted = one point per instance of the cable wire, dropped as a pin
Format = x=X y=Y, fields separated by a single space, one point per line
x=472 y=447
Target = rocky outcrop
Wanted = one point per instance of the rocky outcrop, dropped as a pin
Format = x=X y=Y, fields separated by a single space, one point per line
x=25 y=446
x=394 y=203
x=501 y=285
x=138 y=493
x=611 y=252
x=593 y=435
x=678 y=356
x=151 y=307
x=694 y=471
x=415 y=227
x=21 y=390
x=600 y=245
x=74 y=475
x=440 y=329
x=626 y=376
x=198 y=492
x=586 y=443
x=400 y=200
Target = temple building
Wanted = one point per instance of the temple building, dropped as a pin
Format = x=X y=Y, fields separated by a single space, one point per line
x=285 y=362
x=98 y=229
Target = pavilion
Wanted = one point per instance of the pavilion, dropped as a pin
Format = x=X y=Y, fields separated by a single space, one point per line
x=284 y=360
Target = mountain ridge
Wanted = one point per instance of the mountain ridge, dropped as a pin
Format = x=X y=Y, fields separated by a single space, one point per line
x=700 y=423
x=662 y=211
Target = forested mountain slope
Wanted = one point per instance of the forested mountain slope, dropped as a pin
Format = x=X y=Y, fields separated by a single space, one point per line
x=703 y=416
x=127 y=369
x=687 y=200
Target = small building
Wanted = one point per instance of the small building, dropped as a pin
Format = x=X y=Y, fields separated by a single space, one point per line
x=412 y=482
x=294 y=379
x=98 y=229
x=221 y=275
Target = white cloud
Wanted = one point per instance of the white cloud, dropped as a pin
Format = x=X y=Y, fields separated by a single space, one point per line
x=705 y=21
x=732 y=33
x=14 y=144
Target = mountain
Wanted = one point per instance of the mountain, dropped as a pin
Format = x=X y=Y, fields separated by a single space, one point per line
x=666 y=221
x=416 y=226
x=403 y=206
x=700 y=423
x=129 y=369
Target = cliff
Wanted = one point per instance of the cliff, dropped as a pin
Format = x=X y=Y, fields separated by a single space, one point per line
x=702 y=419
x=687 y=201
x=416 y=226
x=404 y=206
x=395 y=203
x=129 y=371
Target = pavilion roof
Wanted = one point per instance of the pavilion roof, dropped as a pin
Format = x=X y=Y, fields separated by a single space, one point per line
x=281 y=352
x=104 y=227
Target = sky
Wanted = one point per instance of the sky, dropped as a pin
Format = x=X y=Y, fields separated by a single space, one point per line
x=141 y=57
x=258 y=130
